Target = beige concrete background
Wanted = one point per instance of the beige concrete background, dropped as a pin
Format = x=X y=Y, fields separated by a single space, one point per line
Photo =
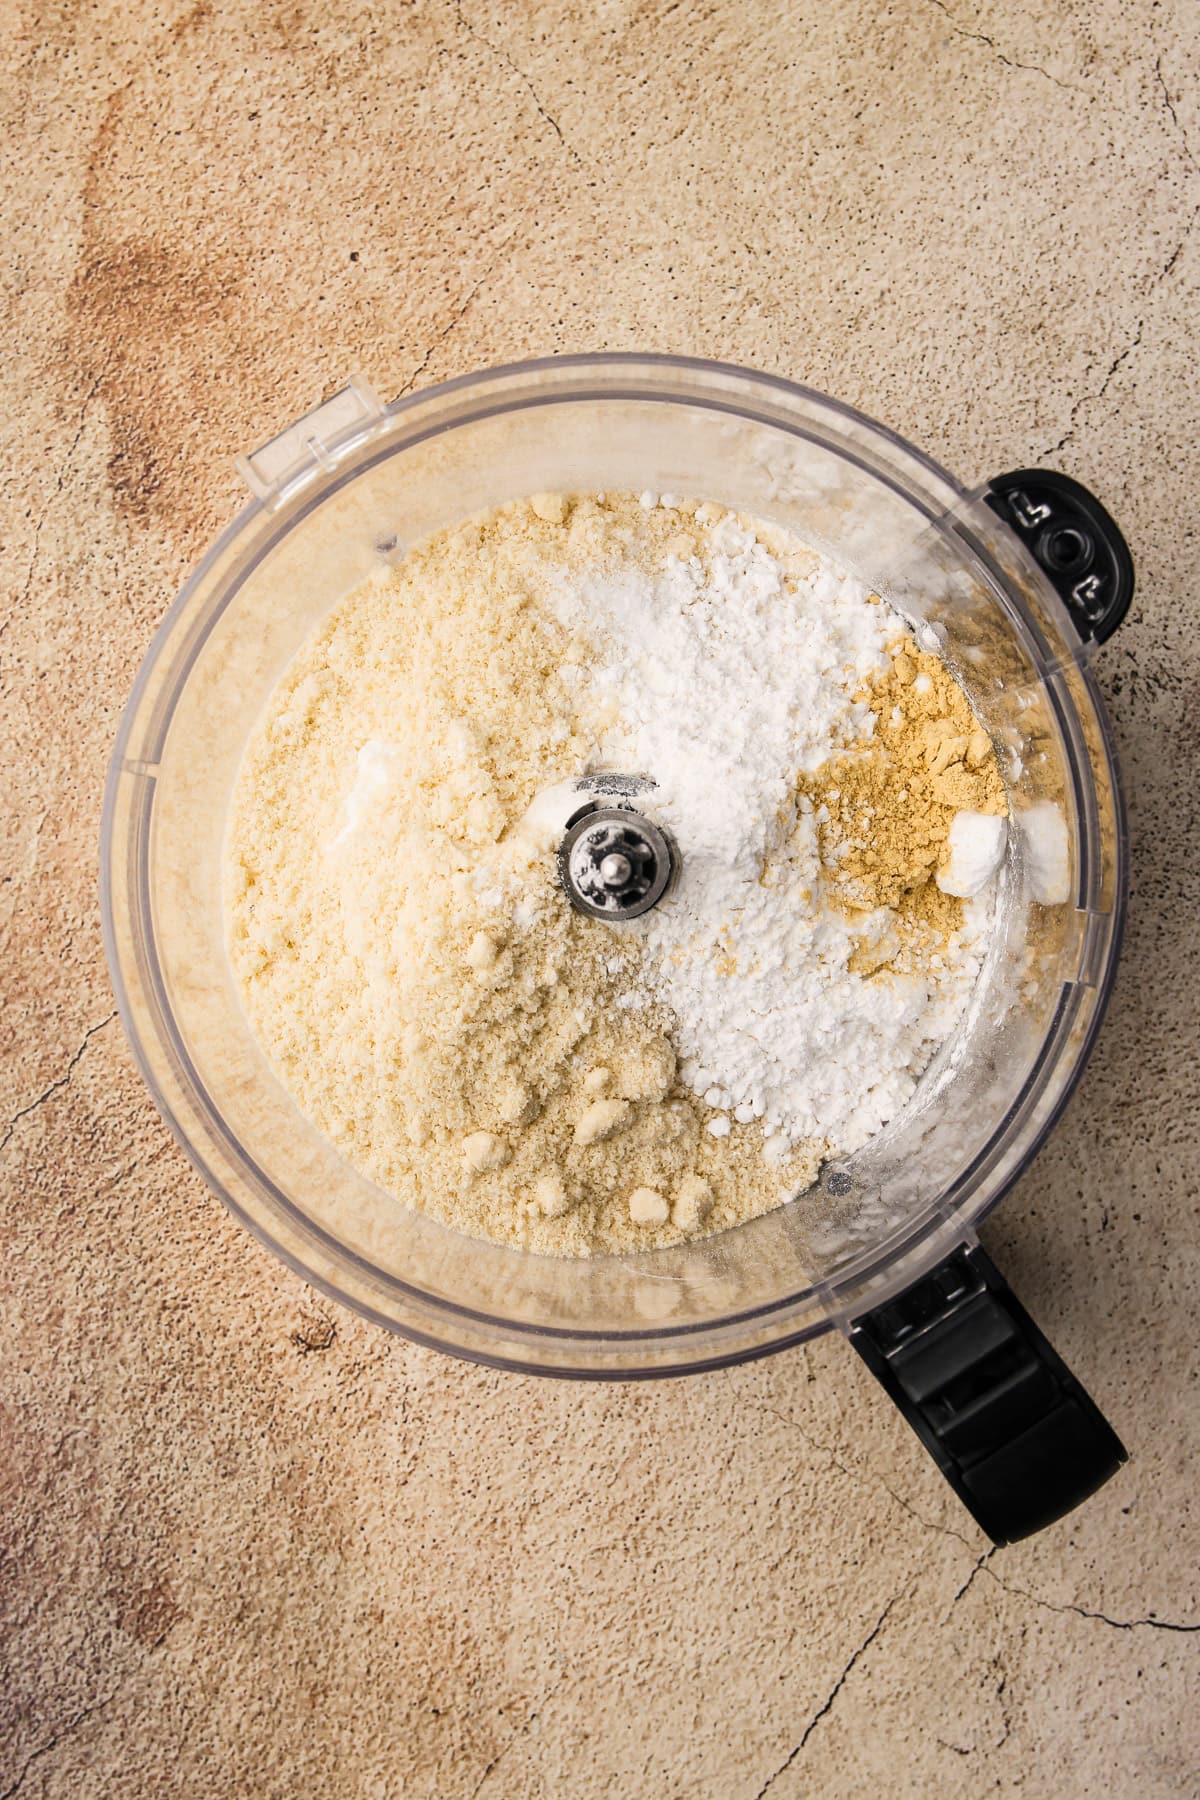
x=251 y=1546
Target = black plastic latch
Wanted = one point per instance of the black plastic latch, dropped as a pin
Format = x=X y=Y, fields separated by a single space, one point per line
x=1012 y=1430
x=1073 y=540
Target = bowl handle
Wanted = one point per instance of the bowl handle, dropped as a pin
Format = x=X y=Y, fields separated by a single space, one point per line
x=1074 y=541
x=1011 y=1429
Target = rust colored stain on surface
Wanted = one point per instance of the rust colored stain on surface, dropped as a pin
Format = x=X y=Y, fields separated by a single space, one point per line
x=152 y=320
x=314 y=1332
x=154 y=324
x=146 y=1612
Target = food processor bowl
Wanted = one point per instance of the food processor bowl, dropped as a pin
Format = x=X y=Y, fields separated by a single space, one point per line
x=1018 y=580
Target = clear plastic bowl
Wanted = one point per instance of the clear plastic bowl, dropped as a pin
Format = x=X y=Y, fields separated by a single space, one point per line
x=357 y=481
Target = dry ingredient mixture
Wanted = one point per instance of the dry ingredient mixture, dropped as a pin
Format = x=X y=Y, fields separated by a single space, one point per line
x=418 y=977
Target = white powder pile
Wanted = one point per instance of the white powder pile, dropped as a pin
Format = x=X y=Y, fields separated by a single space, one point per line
x=977 y=842
x=730 y=668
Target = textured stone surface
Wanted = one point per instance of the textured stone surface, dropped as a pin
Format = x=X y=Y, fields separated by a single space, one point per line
x=252 y=1546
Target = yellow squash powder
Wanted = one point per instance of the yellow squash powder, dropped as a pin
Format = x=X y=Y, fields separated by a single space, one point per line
x=886 y=806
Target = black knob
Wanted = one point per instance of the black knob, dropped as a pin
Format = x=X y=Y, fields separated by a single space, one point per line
x=614 y=863
x=1073 y=539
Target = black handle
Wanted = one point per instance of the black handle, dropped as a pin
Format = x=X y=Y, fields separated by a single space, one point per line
x=1073 y=540
x=1011 y=1429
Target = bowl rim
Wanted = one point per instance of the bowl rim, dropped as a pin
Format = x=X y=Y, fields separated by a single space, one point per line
x=921 y=1249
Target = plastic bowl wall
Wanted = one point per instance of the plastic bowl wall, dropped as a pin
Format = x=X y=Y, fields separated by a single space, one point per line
x=606 y=423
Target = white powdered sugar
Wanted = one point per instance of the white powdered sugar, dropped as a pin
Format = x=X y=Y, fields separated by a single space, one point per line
x=727 y=675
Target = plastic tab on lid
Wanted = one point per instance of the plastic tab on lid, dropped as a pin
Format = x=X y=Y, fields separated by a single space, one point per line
x=315 y=442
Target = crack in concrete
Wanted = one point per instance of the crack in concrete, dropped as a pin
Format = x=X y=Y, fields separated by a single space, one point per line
x=865 y=1477
x=1005 y=1720
x=1122 y=356
x=1010 y=62
x=521 y=1732
x=502 y=56
x=974 y=1572
x=64 y=1731
x=1077 y=406
x=1086 y=1612
x=1177 y=252
x=487 y=1771
x=55 y=1087
x=957 y=1748
x=455 y=319
x=59 y=484
x=834 y=1691
x=1169 y=103
x=983 y=1561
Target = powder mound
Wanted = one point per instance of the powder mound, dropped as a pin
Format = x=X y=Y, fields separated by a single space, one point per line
x=888 y=808
x=809 y=759
x=413 y=969
x=885 y=804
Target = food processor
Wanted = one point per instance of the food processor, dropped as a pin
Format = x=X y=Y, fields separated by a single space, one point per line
x=1018 y=581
